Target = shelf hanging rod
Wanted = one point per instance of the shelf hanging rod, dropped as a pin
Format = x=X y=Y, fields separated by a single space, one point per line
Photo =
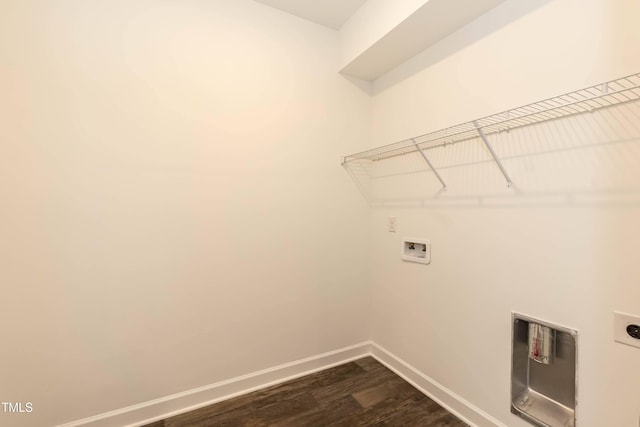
x=426 y=159
x=493 y=153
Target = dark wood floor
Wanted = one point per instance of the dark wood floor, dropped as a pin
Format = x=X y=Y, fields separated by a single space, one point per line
x=360 y=393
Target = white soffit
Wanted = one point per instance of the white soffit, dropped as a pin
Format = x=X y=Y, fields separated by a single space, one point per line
x=330 y=13
x=432 y=22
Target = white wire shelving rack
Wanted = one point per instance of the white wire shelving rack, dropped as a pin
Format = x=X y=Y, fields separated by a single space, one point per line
x=588 y=100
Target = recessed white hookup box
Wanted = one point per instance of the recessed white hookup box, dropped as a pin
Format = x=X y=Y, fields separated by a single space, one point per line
x=416 y=250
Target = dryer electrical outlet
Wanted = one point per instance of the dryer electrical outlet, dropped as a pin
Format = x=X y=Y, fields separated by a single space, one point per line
x=626 y=328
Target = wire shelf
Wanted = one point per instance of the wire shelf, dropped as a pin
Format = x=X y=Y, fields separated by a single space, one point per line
x=615 y=92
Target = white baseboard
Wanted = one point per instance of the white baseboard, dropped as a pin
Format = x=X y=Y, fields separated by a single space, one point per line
x=190 y=400
x=179 y=403
x=446 y=398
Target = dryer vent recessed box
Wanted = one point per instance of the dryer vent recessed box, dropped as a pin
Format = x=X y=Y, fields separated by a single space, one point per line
x=416 y=250
x=543 y=372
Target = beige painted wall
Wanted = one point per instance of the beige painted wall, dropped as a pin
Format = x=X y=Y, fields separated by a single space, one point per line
x=173 y=213
x=565 y=251
x=173 y=208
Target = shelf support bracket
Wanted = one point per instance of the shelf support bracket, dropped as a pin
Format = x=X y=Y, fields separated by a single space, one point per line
x=426 y=159
x=493 y=153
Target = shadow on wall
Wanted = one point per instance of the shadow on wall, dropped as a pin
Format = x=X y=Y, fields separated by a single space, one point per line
x=364 y=85
x=585 y=159
x=490 y=22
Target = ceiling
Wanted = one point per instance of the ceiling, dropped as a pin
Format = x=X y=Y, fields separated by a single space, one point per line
x=330 y=13
x=400 y=29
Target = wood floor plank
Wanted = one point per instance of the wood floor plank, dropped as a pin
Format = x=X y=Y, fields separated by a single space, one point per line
x=428 y=414
x=368 y=363
x=449 y=421
x=356 y=383
x=359 y=393
x=329 y=415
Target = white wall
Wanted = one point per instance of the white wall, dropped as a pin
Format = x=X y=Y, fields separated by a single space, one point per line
x=173 y=208
x=568 y=261
x=173 y=213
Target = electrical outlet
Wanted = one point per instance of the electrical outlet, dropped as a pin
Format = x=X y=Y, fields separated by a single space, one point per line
x=626 y=328
x=392 y=224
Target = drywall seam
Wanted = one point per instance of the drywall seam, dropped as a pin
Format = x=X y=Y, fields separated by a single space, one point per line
x=446 y=398
x=190 y=400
